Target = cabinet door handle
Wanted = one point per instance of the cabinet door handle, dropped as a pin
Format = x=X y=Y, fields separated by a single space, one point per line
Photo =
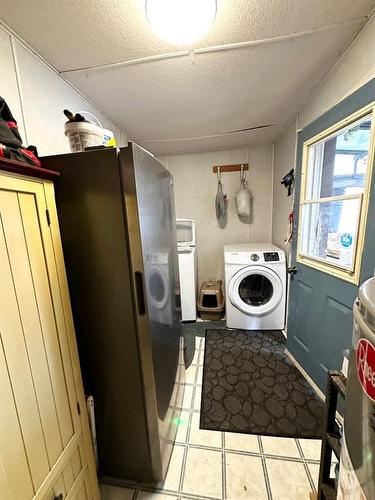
x=140 y=293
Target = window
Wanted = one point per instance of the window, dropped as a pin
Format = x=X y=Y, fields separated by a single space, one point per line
x=335 y=185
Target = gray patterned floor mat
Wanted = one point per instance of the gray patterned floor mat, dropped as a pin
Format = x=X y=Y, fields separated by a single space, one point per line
x=250 y=385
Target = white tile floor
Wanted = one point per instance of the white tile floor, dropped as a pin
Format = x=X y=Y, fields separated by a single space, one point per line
x=222 y=465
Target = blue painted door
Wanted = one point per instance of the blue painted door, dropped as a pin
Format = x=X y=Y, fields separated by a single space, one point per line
x=320 y=306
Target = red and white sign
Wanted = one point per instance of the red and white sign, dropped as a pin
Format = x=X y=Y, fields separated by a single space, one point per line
x=365 y=358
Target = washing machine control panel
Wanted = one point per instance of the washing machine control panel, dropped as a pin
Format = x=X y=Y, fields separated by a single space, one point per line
x=271 y=256
x=255 y=257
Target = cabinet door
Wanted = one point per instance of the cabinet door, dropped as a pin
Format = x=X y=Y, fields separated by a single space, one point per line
x=40 y=422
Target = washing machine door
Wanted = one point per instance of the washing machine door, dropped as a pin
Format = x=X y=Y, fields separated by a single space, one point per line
x=255 y=290
x=158 y=287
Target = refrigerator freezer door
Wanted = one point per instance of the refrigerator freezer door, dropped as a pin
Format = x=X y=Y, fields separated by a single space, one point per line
x=149 y=205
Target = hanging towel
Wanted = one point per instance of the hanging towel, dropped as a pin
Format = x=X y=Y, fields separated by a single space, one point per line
x=220 y=202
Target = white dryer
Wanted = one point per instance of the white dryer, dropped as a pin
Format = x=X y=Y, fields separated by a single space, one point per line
x=255 y=284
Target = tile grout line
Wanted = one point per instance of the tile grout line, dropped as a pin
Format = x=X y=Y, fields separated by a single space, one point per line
x=309 y=476
x=200 y=497
x=149 y=489
x=223 y=474
x=265 y=471
x=153 y=489
x=184 y=460
x=182 y=472
x=307 y=469
x=185 y=444
x=281 y=458
x=223 y=468
x=194 y=392
x=284 y=458
x=196 y=375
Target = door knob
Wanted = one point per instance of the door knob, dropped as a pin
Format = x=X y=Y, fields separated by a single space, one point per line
x=292 y=270
x=59 y=497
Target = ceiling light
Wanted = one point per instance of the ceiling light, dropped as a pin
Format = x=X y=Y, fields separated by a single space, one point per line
x=180 y=21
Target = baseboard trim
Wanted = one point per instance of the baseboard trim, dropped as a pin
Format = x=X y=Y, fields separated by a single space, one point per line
x=307 y=377
x=339 y=418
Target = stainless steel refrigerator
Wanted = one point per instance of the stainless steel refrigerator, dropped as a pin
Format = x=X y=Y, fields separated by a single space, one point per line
x=117 y=221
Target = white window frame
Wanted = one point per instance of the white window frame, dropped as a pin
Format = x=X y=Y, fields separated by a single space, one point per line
x=353 y=274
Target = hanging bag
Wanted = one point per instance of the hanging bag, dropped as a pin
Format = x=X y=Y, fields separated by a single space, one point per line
x=220 y=201
x=243 y=197
x=9 y=135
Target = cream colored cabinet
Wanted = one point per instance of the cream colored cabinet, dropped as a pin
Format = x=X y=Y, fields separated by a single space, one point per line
x=45 y=444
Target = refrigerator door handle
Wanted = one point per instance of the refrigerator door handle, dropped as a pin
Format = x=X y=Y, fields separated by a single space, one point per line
x=138 y=279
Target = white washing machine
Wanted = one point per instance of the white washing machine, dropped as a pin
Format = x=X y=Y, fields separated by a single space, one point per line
x=255 y=285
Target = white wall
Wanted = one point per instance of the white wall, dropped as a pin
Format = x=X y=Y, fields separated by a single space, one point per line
x=354 y=69
x=195 y=191
x=37 y=96
x=282 y=203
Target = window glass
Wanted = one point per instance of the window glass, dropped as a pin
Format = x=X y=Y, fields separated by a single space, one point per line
x=333 y=197
x=330 y=231
x=338 y=164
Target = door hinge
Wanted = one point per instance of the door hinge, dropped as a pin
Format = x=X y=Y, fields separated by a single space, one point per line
x=48 y=217
x=78 y=408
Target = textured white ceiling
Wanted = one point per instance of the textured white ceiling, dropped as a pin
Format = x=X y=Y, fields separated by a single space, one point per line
x=71 y=34
x=165 y=104
x=213 y=93
x=214 y=143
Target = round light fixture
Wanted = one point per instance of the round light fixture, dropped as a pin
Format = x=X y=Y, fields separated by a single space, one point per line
x=180 y=21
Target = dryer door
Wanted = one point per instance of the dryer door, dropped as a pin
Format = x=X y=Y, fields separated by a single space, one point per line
x=255 y=290
x=158 y=287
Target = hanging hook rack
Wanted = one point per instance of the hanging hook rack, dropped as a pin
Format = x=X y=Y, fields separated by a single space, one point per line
x=230 y=168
